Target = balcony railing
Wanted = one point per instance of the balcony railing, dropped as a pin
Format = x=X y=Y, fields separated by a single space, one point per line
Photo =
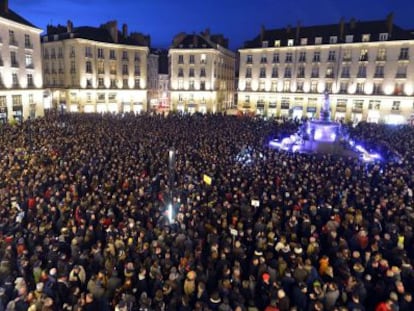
x=315 y=75
x=28 y=45
x=401 y=76
x=403 y=57
x=14 y=64
x=379 y=75
x=345 y=75
x=30 y=66
x=13 y=42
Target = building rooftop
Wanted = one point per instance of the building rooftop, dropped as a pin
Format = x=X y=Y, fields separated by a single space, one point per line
x=199 y=41
x=13 y=16
x=108 y=33
x=340 y=30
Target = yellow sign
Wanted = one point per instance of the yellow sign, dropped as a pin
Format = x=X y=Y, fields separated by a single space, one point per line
x=207 y=179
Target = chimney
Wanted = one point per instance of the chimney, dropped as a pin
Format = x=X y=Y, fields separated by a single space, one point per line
x=69 y=26
x=390 y=23
x=342 y=29
x=4 y=6
x=262 y=33
x=112 y=27
x=125 y=30
x=352 y=23
x=298 y=31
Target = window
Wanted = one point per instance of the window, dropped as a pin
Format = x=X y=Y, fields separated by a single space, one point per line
x=88 y=67
x=137 y=70
x=192 y=61
x=27 y=42
x=263 y=59
x=365 y=37
x=277 y=43
x=374 y=105
x=274 y=86
x=396 y=106
x=274 y=72
x=113 y=83
x=137 y=58
x=383 y=36
x=202 y=72
x=299 y=86
x=112 y=96
x=191 y=85
x=382 y=54
x=248 y=86
x=301 y=71
x=288 y=57
x=275 y=58
x=343 y=87
x=101 y=67
x=203 y=59
x=112 y=69
x=29 y=61
x=30 y=80
x=202 y=85
x=329 y=72
x=181 y=59
x=125 y=69
x=345 y=72
x=304 y=41
x=357 y=105
x=315 y=72
x=403 y=54
x=316 y=56
x=265 y=44
x=124 y=55
x=290 y=42
x=377 y=89
x=72 y=67
x=379 y=71
x=13 y=59
x=12 y=38
x=360 y=88
x=331 y=56
x=285 y=103
x=112 y=54
x=333 y=39
x=60 y=52
x=101 y=82
x=100 y=53
x=288 y=72
x=328 y=87
x=248 y=72
x=180 y=72
x=363 y=56
x=46 y=53
x=88 y=83
x=17 y=100
x=262 y=72
x=302 y=57
x=318 y=40
x=347 y=55
x=88 y=51
x=249 y=59
x=286 y=86
x=101 y=97
x=137 y=83
x=125 y=83
x=314 y=87
x=401 y=72
x=362 y=71
x=15 y=80
x=191 y=72
x=349 y=38
x=399 y=87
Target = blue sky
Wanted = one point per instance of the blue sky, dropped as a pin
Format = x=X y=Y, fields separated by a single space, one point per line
x=237 y=20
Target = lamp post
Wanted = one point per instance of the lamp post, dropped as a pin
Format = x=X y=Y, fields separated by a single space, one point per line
x=171 y=173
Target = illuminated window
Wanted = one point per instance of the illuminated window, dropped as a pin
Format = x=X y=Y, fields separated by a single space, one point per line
x=314 y=86
x=30 y=80
x=277 y=43
x=203 y=59
x=383 y=36
x=286 y=86
x=318 y=40
x=29 y=60
x=304 y=41
x=290 y=42
x=363 y=56
x=382 y=54
x=365 y=37
x=396 y=106
x=347 y=56
x=333 y=39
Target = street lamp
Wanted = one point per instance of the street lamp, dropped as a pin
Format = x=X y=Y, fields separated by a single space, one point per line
x=171 y=173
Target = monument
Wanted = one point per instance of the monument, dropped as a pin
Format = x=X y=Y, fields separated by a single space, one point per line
x=323 y=135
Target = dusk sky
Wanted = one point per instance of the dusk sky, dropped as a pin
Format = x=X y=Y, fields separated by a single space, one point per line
x=237 y=20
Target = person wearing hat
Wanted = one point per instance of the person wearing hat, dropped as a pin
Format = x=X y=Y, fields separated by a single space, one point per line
x=263 y=291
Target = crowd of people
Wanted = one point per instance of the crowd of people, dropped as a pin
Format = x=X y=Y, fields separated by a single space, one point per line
x=84 y=223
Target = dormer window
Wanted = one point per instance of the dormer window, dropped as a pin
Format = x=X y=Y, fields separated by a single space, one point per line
x=277 y=43
x=383 y=36
x=365 y=37
x=304 y=41
x=349 y=38
x=318 y=40
x=265 y=44
x=290 y=42
x=333 y=39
